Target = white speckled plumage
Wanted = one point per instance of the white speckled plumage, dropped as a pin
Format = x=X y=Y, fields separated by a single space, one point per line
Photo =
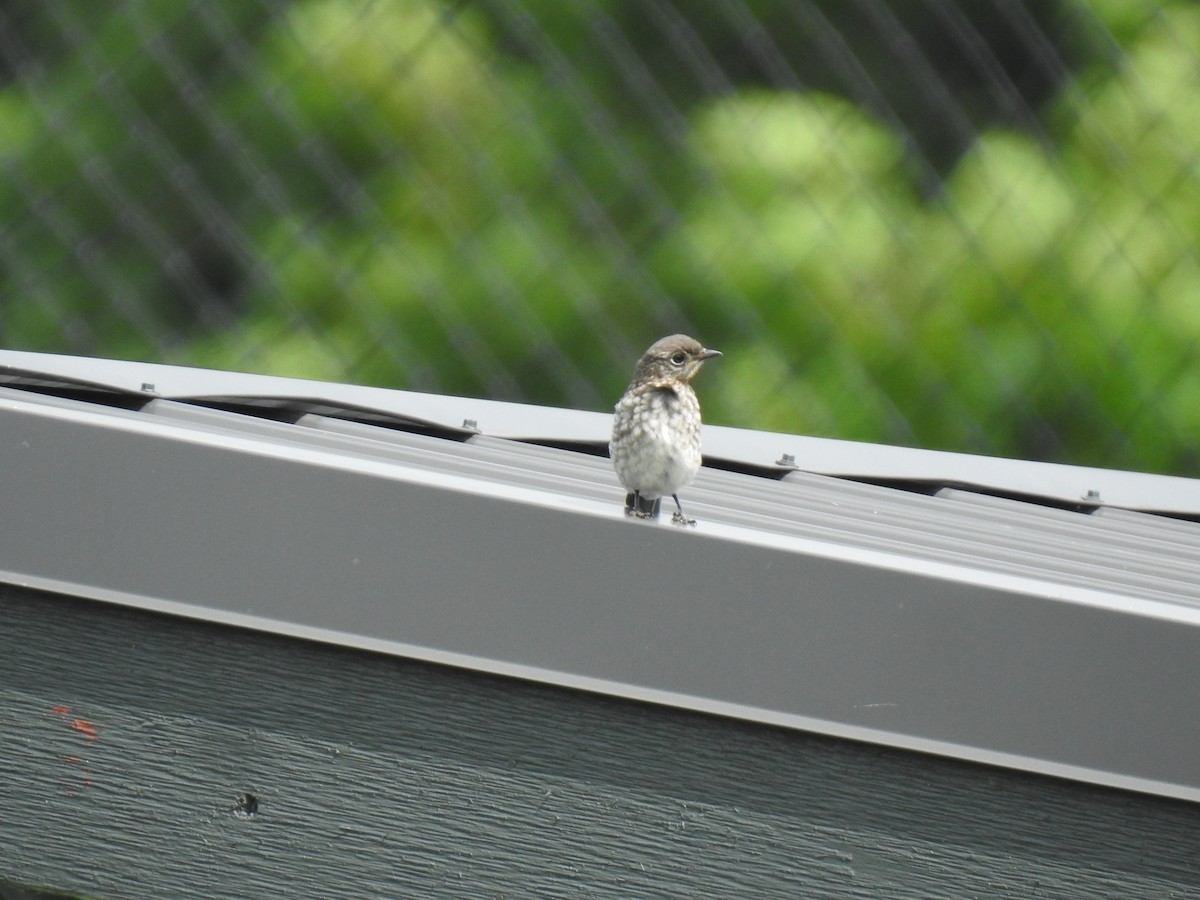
x=656 y=439
x=655 y=446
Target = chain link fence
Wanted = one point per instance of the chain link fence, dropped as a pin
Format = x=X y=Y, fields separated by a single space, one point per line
x=969 y=225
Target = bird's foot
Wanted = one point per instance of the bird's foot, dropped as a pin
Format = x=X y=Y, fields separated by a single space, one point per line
x=641 y=508
x=678 y=518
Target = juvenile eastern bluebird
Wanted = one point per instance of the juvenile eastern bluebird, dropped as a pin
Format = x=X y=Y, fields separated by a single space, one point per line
x=655 y=445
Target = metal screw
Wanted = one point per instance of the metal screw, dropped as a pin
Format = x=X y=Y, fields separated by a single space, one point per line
x=1092 y=494
x=470 y=424
x=786 y=459
x=147 y=386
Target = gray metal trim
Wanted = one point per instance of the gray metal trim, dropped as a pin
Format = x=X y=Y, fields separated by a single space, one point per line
x=1067 y=484
x=996 y=631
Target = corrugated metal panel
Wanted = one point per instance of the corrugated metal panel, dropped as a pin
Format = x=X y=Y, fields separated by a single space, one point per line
x=985 y=628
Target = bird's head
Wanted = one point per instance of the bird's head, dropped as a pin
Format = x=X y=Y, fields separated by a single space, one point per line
x=673 y=359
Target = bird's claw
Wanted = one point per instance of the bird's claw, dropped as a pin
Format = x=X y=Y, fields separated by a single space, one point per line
x=678 y=518
x=640 y=508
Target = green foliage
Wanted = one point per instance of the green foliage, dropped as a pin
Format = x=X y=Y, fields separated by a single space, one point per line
x=398 y=196
x=1046 y=304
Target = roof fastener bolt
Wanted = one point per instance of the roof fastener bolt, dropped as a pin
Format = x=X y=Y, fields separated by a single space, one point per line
x=470 y=424
x=1092 y=494
x=147 y=386
x=786 y=459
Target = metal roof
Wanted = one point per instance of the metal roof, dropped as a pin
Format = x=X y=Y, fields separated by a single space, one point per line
x=1000 y=613
x=742 y=447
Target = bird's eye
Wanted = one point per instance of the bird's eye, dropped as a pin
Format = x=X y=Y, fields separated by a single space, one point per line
x=679 y=358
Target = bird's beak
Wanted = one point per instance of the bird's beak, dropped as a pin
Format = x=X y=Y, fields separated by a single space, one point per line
x=707 y=354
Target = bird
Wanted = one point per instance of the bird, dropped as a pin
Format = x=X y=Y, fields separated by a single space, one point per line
x=655 y=446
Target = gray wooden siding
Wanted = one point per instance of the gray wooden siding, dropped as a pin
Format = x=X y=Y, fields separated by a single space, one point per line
x=130 y=739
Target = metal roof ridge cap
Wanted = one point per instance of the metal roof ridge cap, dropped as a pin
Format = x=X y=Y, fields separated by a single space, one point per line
x=1060 y=481
x=724 y=433
x=188 y=382
x=863 y=459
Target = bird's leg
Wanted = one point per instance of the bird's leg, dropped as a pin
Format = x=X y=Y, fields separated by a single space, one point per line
x=678 y=518
x=637 y=506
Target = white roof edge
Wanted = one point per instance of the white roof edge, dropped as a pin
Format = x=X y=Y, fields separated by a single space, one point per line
x=827 y=456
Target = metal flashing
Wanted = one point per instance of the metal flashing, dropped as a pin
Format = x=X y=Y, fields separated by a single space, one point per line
x=736 y=448
x=1056 y=640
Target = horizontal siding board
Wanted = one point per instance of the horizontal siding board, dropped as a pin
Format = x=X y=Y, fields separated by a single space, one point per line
x=131 y=736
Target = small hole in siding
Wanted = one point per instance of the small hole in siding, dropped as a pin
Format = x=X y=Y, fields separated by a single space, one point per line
x=245 y=806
